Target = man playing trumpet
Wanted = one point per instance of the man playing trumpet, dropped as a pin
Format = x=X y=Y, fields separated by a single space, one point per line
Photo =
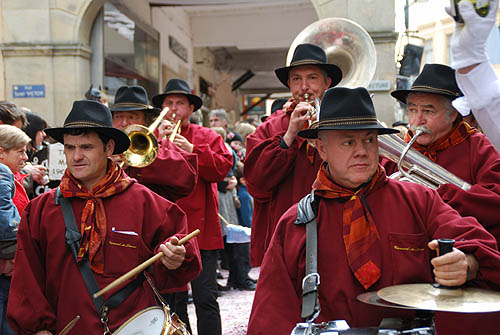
x=279 y=166
x=120 y=224
x=173 y=173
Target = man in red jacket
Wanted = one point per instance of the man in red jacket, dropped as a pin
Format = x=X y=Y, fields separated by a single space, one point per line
x=279 y=166
x=453 y=144
x=372 y=232
x=174 y=171
x=201 y=206
x=118 y=224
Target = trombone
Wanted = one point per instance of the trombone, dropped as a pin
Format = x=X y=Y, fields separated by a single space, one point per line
x=143 y=148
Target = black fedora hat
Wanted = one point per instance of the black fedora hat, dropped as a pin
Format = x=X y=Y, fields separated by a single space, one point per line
x=435 y=79
x=345 y=108
x=133 y=98
x=92 y=115
x=177 y=86
x=310 y=54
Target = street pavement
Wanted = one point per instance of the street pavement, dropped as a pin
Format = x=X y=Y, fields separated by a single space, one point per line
x=235 y=307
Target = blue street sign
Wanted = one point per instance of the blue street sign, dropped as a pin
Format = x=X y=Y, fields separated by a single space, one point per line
x=28 y=91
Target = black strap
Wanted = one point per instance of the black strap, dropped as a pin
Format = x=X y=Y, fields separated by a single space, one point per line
x=73 y=237
x=306 y=214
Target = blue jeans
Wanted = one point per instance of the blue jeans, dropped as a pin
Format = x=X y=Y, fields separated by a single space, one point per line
x=5 y=328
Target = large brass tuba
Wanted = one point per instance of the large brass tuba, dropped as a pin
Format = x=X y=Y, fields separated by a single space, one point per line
x=413 y=166
x=143 y=148
x=346 y=44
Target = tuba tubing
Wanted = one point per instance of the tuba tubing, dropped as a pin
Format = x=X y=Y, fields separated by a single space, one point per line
x=347 y=45
x=417 y=168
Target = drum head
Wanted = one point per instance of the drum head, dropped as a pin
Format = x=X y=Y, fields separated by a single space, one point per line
x=149 y=321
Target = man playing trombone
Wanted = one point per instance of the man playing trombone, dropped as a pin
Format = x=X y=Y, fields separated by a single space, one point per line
x=95 y=227
x=174 y=171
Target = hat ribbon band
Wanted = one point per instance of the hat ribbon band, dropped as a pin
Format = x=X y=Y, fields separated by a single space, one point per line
x=306 y=62
x=131 y=104
x=83 y=124
x=346 y=122
x=438 y=90
x=177 y=92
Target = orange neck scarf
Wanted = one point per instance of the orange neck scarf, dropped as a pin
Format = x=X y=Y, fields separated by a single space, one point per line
x=361 y=238
x=459 y=133
x=93 y=221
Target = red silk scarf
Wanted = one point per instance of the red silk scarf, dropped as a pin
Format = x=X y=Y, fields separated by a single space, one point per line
x=93 y=221
x=361 y=238
x=459 y=133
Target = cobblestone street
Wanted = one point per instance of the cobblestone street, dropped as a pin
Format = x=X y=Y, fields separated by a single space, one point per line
x=235 y=306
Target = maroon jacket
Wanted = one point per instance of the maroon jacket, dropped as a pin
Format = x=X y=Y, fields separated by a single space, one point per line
x=48 y=290
x=276 y=178
x=407 y=217
x=477 y=162
x=172 y=175
x=202 y=206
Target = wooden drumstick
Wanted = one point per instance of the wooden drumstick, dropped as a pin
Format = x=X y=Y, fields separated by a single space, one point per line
x=141 y=267
x=70 y=325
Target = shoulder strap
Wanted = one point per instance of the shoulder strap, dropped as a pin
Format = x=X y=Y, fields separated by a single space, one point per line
x=73 y=237
x=306 y=214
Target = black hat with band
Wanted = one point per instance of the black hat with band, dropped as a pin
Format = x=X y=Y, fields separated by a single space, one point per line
x=92 y=115
x=435 y=79
x=345 y=108
x=177 y=86
x=133 y=98
x=310 y=54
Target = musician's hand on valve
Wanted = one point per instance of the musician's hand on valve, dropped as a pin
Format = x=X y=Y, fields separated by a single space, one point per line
x=174 y=254
x=118 y=160
x=183 y=143
x=165 y=129
x=453 y=268
x=43 y=332
x=298 y=118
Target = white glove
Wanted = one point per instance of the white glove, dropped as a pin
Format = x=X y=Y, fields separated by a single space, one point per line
x=468 y=43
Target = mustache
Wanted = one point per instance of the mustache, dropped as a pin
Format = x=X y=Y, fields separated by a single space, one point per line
x=424 y=129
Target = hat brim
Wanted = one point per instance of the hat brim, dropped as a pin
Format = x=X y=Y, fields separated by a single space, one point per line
x=313 y=133
x=149 y=109
x=332 y=71
x=193 y=99
x=122 y=141
x=402 y=95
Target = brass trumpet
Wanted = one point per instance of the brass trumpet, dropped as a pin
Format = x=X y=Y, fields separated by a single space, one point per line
x=143 y=148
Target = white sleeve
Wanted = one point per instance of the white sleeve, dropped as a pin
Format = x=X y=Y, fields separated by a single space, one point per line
x=481 y=88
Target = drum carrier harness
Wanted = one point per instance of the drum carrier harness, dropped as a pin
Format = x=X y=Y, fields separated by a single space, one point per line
x=307 y=211
x=73 y=237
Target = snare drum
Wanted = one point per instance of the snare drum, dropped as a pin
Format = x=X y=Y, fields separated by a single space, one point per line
x=153 y=321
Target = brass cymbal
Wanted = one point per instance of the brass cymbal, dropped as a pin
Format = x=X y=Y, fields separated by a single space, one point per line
x=427 y=297
x=373 y=299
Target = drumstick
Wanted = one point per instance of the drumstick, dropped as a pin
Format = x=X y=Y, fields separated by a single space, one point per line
x=141 y=267
x=70 y=325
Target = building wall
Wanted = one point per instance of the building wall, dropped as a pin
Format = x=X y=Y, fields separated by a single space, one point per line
x=49 y=46
x=171 y=21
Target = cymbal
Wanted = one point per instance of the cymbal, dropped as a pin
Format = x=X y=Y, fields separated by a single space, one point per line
x=373 y=299
x=427 y=297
